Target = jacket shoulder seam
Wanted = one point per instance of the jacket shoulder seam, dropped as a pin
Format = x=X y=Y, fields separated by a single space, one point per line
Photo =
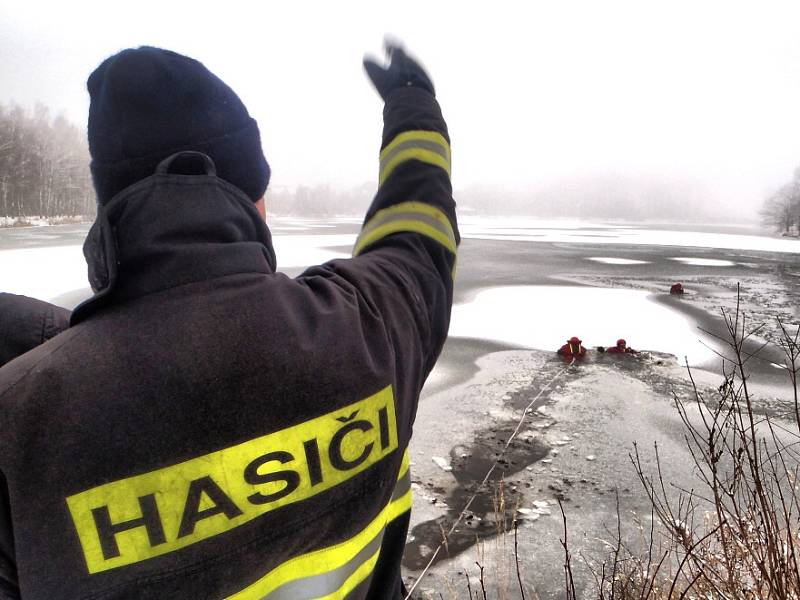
x=27 y=371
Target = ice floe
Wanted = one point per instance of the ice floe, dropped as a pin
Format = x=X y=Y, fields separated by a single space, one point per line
x=705 y=262
x=610 y=260
x=442 y=463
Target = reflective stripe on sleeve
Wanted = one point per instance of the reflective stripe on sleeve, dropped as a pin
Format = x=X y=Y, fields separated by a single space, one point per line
x=426 y=146
x=332 y=573
x=416 y=217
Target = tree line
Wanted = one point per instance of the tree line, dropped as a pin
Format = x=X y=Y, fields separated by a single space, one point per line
x=44 y=172
x=781 y=210
x=319 y=200
x=44 y=165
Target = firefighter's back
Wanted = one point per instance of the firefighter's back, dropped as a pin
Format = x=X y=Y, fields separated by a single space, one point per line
x=210 y=432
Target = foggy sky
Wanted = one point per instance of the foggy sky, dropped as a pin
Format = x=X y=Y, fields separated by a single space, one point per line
x=703 y=93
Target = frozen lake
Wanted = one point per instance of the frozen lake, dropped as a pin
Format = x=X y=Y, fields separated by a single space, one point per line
x=583 y=232
x=513 y=285
x=524 y=286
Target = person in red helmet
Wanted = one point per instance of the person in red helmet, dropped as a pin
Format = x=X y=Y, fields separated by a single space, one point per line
x=676 y=289
x=621 y=348
x=572 y=349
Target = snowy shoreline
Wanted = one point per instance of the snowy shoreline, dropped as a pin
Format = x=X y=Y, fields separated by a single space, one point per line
x=26 y=222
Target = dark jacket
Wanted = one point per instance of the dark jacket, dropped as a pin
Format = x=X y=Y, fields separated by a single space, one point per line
x=25 y=323
x=209 y=428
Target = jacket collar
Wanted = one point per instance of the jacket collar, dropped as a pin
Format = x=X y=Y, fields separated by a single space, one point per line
x=170 y=230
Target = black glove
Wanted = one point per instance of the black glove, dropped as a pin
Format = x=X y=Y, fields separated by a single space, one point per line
x=403 y=71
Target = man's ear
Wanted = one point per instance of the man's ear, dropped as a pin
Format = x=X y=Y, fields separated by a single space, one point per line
x=261 y=207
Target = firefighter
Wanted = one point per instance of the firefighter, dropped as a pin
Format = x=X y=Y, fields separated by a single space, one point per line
x=25 y=323
x=572 y=349
x=621 y=348
x=208 y=427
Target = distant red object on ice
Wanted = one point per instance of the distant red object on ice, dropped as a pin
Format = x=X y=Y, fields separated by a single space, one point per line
x=621 y=348
x=572 y=349
x=676 y=289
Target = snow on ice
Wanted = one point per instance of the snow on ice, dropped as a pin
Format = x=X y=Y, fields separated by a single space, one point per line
x=705 y=262
x=610 y=260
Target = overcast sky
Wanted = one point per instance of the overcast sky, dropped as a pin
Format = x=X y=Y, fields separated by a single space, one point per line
x=533 y=92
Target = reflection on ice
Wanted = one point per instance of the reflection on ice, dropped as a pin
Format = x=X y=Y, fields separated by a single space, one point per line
x=617 y=261
x=543 y=317
x=706 y=262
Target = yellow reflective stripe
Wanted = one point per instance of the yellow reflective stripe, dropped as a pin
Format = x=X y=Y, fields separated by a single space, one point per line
x=422 y=208
x=407 y=225
x=415 y=135
x=419 y=154
x=399 y=506
x=405 y=465
x=314 y=563
x=355 y=579
x=426 y=146
x=412 y=216
x=307 y=575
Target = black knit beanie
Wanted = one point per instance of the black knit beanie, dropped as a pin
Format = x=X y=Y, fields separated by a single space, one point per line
x=148 y=103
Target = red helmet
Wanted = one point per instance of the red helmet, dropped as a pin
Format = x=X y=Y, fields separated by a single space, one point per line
x=574 y=340
x=621 y=342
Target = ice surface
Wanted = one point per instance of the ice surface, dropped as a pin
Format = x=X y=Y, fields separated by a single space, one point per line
x=609 y=260
x=51 y=273
x=281 y=228
x=307 y=250
x=42 y=273
x=442 y=463
x=534 y=230
x=706 y=262
x=543 y=317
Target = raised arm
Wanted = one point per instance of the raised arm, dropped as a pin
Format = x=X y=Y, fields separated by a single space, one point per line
x=411 y=225
x=404 y=259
